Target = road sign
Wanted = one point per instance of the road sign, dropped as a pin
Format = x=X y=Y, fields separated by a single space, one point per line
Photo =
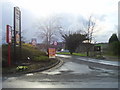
x=17 y=37
x=34 y=41
x=55 y=43
x=8 y=34
x=9 y=40
x=17 y=18
x=51 y=52
x=97 y=48
x=17 y=25
x=17 y=31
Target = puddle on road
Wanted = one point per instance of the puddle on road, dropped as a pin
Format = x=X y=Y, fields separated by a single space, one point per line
x=106 y=62
x=29 y=74
x=75 y=68
x=104 y=72
x=71 y=68
x=65 y=56
x=51 y=73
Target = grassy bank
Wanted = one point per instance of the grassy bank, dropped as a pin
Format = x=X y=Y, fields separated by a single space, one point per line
x=67 y=53
x=111 y=56
x=27 y=51
x=30 y=59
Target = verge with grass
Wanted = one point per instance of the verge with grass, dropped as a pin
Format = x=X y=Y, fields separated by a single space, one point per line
x=67 y=53
x=103 y=57
x=31 y=59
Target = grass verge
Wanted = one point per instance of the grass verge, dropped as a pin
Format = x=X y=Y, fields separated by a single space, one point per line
x=37 y=59
x=67 y=53
x=103 y=57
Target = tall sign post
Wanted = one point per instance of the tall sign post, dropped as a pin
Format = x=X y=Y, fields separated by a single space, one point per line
x=9 y=41
x=17 y=30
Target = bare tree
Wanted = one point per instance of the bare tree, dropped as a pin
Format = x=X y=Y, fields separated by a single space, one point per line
x=90 y=28
x=48 y=29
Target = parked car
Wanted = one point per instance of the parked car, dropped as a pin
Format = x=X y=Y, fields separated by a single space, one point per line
x=64 y=50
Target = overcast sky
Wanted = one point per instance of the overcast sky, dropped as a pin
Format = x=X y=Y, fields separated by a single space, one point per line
x=105 y=10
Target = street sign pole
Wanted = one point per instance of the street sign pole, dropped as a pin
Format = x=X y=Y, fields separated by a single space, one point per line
x=14 y=38
x=20 y=35
x=9 y=55
x=17 y=31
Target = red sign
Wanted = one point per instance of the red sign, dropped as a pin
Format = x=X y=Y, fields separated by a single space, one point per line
x=17 y=37
x=9 y=40
x=9 y=34
x=51 y=52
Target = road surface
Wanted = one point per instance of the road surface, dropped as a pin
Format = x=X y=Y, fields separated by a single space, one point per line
x=74 y=73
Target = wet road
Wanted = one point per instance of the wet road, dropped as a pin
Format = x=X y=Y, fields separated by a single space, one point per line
x=73 y=73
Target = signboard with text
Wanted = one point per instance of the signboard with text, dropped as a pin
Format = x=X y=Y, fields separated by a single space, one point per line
x=17 y=24
x=55 y=43
x=9 y=41
x=8 y=34
x=17 y=33
x=17 y=18
x=51 y=52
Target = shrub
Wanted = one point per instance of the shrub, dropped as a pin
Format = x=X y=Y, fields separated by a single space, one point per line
x=41 y=58
x=114 y=48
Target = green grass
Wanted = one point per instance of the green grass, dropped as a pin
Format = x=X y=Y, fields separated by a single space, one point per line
x=27 y=51
x=41 y=58
x=38 y=59
x=63 y=53
x=67 y=53
x=79 y=54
